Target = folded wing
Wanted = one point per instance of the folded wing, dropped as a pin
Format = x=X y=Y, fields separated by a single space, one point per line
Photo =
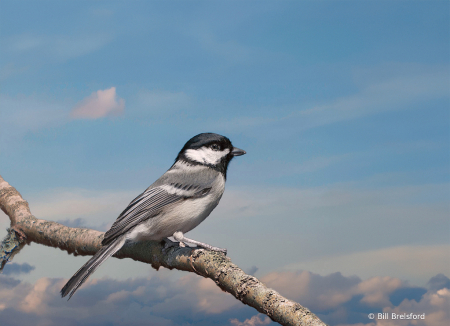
x=149 y=204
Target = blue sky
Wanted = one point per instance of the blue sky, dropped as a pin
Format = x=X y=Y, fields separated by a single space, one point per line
x=342 y=107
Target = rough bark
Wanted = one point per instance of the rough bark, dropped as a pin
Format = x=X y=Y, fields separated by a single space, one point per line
x=216 y=266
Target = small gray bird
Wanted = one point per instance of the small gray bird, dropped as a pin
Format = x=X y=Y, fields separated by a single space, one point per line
x=175 y=204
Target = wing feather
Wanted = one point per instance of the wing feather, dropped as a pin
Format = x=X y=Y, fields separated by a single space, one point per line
x=147 y=205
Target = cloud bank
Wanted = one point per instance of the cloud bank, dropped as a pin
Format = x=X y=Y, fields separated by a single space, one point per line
x=193 y=300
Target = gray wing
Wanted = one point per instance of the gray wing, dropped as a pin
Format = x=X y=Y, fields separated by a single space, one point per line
x=161 y=194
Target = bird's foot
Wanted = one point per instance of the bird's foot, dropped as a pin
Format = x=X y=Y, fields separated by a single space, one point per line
x=180 y=237
x=167 y=243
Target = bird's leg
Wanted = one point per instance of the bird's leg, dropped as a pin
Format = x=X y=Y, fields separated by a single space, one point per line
x=180 y=237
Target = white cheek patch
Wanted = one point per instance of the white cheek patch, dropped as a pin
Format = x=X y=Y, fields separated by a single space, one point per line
x=206 y=155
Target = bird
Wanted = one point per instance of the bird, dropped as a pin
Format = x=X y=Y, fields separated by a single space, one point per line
x=173 y=205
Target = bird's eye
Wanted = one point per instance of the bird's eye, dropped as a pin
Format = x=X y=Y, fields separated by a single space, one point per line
x=215 y=147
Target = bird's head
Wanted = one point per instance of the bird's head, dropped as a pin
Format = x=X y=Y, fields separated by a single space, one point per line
x=209 y=149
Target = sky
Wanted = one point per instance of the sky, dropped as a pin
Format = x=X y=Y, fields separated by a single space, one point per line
x=341 y=202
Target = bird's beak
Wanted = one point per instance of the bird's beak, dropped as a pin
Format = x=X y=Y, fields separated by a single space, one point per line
x=238 y=152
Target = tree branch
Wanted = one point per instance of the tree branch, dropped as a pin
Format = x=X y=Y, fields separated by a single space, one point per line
x=213 y=265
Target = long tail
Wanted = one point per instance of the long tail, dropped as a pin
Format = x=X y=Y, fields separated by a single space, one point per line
x=83 y=273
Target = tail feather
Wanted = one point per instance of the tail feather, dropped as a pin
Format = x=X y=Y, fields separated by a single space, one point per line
x=83 y=273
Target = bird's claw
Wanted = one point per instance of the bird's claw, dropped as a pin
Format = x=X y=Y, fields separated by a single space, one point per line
x=168 y=244
x=179 y=236
x=172 y=244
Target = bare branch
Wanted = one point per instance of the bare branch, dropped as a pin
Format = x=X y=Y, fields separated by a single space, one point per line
x=228 y=276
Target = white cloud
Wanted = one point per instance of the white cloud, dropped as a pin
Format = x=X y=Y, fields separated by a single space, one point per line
x=128 y=302
x=196 y=300
x=210 y=298
x=100 y=104
x=24 y=114
x=435 y=306
x=35 y=301
x=337 y=296
x=376 y=290
x=254 y=321
x=312 y=290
